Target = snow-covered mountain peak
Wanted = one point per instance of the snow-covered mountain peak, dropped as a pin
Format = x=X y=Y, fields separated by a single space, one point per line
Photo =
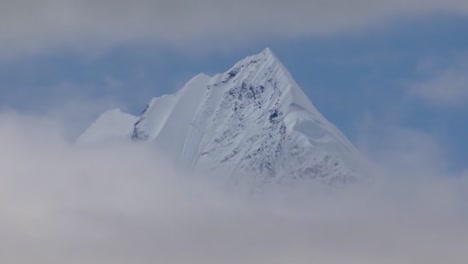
x=265 y=66
x=251 y=124
x=112 y=125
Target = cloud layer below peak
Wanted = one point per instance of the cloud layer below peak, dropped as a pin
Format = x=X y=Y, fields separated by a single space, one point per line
x=61 y=203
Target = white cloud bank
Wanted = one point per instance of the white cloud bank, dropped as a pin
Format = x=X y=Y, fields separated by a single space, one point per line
x=123 y=204
x=33 y=26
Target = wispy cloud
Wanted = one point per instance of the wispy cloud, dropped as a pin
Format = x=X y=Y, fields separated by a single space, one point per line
x=32 y=26
x=444 y=86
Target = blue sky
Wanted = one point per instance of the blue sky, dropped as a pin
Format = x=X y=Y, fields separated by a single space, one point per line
x=409 y=72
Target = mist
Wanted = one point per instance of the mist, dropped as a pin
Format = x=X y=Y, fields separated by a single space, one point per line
x=62 y=203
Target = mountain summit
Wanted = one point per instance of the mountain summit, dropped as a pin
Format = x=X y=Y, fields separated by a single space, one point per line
x=252 y=123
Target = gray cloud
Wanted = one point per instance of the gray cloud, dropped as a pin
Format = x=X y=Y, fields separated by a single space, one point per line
x=32 y=26
x=61 y=203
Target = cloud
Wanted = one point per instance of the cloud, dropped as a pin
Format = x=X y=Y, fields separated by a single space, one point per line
x=444 y=87
x=61 y=203
x=29 y=26
x=75 y=104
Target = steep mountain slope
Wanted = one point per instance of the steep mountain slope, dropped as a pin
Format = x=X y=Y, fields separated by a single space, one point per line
x=251 y=124
x=113 y=125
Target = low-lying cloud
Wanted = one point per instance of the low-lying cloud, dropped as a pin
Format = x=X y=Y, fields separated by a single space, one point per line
x=61 y=203
x=32 y=26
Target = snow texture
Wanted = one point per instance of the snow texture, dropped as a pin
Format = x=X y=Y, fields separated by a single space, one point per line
x=111 y=126
x=252 y=124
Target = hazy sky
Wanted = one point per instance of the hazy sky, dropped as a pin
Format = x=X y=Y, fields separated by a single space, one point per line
x=392 y=75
